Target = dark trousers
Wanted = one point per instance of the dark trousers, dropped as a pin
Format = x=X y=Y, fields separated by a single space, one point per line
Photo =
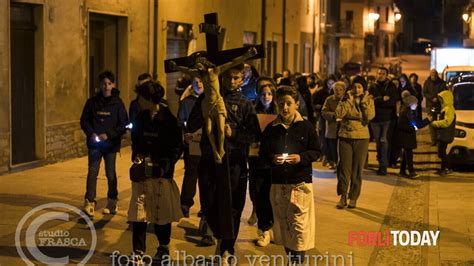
x=214 y=210
x=94 y=158
x=394 y=148
x=352 y=155
x=162 y=232
x=442 y=146
x=407 y=161
x=332 y=149
x=188 y=189
x=259 y=187
x=295 y=257
x=322 y=137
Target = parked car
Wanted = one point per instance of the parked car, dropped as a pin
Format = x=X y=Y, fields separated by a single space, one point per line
x=461 y=150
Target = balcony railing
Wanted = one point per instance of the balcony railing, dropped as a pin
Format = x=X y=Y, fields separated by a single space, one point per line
x=345 y=27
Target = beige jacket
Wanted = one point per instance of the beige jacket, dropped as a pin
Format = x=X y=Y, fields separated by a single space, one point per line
x=329 y=114
x=355 y=117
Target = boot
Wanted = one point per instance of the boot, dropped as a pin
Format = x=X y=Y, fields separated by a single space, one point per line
x=89 y=208
x=111 y=207
x=352 y=204
x=342 y=202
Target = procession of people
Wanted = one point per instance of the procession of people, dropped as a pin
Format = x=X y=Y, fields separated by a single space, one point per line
x=259 y=134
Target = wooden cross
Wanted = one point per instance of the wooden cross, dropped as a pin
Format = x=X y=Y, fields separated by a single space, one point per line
x=212 y=30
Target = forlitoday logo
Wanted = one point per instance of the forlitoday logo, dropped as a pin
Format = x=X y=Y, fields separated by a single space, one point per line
x=50 y=237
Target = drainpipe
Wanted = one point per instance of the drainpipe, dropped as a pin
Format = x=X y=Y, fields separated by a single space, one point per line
x=283 y=61
x=262 y=35
x=155 y=40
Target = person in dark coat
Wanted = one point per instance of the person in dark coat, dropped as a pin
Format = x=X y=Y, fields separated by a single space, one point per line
x=288 y=146
x=432 y=86
x=103 y=120
x=407 y=126
x=249 y=87
x=385 y=97
x=157 y=143
x=319 y=98
x=227 y=182
x=417 y=92
x=259 y=172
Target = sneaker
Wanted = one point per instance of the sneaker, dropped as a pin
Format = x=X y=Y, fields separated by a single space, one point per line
x=263 y=238
x=207 y=241
x=111 y=207
x=162 y=253
x=137 y=258
x=89 y=208
x=332 y=165
x=253 y=217
x=403 y=174
x=412 y=175
x=342 y=202
x=352 y=204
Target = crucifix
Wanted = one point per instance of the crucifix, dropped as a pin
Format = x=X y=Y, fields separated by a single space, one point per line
x=212 y=30
x=208 y=65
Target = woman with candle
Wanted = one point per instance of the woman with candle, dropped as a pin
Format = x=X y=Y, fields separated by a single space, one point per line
x=289 y=146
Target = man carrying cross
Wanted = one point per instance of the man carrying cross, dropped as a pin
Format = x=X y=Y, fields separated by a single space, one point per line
x=226 y=183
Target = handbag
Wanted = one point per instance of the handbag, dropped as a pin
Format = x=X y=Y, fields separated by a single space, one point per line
x=137 y=172
x=146 y=169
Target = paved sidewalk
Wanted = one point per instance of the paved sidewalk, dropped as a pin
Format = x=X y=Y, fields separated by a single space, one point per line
x=389 y=202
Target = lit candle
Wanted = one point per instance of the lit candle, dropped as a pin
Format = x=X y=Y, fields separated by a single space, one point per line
x=285 y=155
x=97 y=139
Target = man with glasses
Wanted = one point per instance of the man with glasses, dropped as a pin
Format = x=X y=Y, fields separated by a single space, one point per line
x=385 y=97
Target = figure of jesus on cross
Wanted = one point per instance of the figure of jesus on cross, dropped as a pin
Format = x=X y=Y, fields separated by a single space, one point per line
x=213 y=106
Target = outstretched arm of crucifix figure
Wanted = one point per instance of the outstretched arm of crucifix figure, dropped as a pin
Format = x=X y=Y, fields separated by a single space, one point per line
x=251 y=52
x=186 y=70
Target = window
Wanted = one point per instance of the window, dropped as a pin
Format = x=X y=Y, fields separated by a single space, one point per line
x=250 y=38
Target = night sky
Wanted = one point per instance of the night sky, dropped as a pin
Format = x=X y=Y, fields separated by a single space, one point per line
x=426 y=18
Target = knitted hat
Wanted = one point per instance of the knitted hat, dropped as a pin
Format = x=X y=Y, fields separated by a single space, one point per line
x=361 y=81
x=408 y=99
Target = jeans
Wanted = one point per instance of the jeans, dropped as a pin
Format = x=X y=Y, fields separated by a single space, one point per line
x=380 y=131
x=95 y=157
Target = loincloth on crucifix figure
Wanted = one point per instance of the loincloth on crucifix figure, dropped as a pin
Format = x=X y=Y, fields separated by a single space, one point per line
x=213 y=106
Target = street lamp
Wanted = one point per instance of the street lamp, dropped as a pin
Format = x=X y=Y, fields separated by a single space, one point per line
x=374 y=16
x=465 y=17
x=398 y=16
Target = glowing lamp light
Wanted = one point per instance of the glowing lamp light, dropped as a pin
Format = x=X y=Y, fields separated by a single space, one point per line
x=374 y=16
x=398 y=16
x=97 y=139
x=465 y=17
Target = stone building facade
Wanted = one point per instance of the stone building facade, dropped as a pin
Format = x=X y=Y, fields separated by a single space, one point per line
x=52 y=51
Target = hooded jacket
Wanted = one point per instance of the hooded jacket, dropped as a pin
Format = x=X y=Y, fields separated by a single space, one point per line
x=445 y=124
x=104 y=115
